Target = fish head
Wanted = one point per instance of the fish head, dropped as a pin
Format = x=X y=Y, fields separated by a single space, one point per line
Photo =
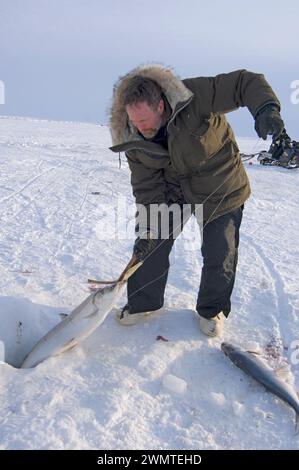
x=227 y=348
x=102 y=291
x=111 y=289
x=118 y=286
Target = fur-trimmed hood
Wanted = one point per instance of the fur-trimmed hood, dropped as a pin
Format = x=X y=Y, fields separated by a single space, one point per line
x=173 y=88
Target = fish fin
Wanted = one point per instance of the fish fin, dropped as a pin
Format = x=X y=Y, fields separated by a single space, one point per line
x=92 y=313
x=68 y=345
x=72 y=347
x=63 y=316
x=283 y=372
x=254 y=352
x=297 y=423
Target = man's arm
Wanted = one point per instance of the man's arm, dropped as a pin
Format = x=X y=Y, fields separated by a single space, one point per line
x=149 y=187
x=229 y=91
x=148 y=184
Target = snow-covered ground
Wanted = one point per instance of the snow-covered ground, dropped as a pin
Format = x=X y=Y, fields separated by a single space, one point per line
x=120 y=388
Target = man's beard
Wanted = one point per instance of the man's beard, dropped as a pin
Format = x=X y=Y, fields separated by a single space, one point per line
x=150 y=133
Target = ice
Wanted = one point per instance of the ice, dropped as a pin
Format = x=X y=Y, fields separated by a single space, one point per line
x=238 y=408
x=174 y=384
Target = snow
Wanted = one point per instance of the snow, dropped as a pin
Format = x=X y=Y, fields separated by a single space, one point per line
x=174 y=384
x=57 y=181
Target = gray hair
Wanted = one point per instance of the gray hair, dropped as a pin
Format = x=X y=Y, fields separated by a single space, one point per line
x=141 y=89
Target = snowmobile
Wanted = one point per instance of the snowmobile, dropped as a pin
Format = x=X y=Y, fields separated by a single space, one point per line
x=283 y=152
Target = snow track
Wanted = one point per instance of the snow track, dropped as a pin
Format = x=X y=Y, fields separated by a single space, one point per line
x=284 y=313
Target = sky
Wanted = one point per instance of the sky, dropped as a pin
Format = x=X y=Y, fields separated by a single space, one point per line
x=60 y=58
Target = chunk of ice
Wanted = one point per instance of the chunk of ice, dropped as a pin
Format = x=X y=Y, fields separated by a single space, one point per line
x=174 y=384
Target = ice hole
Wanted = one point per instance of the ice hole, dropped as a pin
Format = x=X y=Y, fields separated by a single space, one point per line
x=23 y=323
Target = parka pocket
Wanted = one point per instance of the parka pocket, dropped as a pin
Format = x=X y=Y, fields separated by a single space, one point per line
x=209 y=137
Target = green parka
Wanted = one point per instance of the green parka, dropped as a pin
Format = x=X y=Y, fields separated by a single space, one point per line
x=202 y=164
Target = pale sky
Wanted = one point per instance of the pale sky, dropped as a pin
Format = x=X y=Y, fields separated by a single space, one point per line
x=60 y=58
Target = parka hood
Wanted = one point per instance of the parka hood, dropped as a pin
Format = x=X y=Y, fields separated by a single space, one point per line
x=174 y=89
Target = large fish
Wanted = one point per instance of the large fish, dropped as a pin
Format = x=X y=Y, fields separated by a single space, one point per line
x=262 y=372
x=81 y=322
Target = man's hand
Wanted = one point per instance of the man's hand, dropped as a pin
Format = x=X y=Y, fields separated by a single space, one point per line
x=143 y=246
x=268 y=122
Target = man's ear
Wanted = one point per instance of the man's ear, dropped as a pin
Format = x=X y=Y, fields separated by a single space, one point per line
x=161 y=106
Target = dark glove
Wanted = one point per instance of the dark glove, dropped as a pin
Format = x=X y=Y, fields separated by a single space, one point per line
x=143 y=246
x=268 y=122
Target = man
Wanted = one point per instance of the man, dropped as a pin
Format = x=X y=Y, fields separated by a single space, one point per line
x=180 y=149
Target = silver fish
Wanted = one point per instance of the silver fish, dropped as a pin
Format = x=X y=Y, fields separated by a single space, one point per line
x=81 y=322
x=262 y=373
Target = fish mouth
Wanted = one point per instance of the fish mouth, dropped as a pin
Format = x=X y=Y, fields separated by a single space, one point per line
x=226 y=348
x=131 y=267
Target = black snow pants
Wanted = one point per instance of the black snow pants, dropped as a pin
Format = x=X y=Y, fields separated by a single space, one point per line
x=220 y=241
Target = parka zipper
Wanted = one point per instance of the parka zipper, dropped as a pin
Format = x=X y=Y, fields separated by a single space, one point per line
x=178 y=110
x=176 y=168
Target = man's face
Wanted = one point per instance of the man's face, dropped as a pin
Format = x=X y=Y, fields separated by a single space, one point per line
x=145 y=118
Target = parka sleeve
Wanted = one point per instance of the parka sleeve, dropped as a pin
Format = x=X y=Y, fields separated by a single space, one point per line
x=229 y=91
x=148 y=184
x=148 y=188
